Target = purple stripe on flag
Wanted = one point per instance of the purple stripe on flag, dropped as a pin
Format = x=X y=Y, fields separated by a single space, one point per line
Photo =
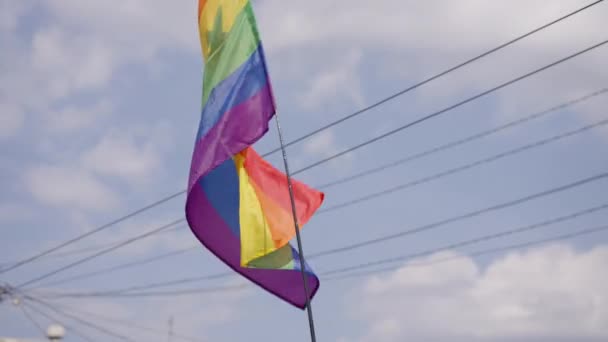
x=215 y=234
x=238 y=128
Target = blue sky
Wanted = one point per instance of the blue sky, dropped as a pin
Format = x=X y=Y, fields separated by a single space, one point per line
x=99 y=105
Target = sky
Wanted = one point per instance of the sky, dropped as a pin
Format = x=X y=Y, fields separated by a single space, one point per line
x=99 y=107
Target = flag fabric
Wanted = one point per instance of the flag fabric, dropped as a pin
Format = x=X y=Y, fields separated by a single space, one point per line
x=238 y=204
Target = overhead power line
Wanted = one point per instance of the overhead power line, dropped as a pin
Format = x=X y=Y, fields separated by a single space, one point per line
x=167 y=293
x=434 y=77
x=449 y=108
x=87 y=234
x=330 y=277
x=440 y=148
x=520 y=230
x=79 y=320
x=120 y=266
x=469 y=242
x=408 y=185
x=138 y=287
x=86 y=250
x=391 y=190
x=465 y=140
x=33 y=321
x=53 y=319
x=125 y=323
x=308 y=135
x=506 y=248
x=100 y=253
x=452 y=171
x=468 y=215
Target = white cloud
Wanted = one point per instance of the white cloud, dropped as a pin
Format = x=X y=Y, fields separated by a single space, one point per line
x=175 y=237
x=120 y=155
x=70 y=62
x=403 y=39
x=324 y=145
x=550 y=292
x=11 y=120
x=83 y=46
x=11 y=213
x=328 y=85
x=194 y=315
x=403 y=24
x=69 y=188
x=10 y=13
x=75 y=118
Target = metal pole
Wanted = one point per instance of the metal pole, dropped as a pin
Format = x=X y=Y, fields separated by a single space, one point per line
x=296 y=224
x=170 y=336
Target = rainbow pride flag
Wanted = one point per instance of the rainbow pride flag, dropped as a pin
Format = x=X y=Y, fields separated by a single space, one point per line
x=238 y=204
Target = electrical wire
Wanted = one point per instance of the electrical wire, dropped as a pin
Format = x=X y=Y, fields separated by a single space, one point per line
x=397 y=188
x=468 y=242
x=120 y=267
x=306 y=136
x=465 y=140
x=168 y=293
x=474 y=254
x=89 y=233
x=520 y=230
x=100 y=253
x=128 y=324
x=452 y=219
x=79 y=320
x=329 y=277
x=452 y=171
x=139 y=287
x=32 y=320
x=449 y=108
x=432 y=78
x=50 y=317
x=90 y=249
x=426 y=179
x=468 y=215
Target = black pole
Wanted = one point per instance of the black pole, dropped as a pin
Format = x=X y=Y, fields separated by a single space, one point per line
x=296 y=224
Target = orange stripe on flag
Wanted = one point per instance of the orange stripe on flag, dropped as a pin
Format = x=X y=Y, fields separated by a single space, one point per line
x=201 y=5
x=277 y=217
x=271 y=187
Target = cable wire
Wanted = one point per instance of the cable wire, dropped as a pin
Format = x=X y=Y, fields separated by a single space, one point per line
x=468 y=215
x=449 y=108
x=100 y=253
x=89 y=233
x=432 y=78
x=390 y=268
x=449 y=172
x=520 y=230
x=417 y=182
x=128 y=324
x=53 y=319
x=390 y=191
x=80 y=320
x=465 y=140
x=32 y=320
x=120 y=267
x=306 y=136
x=90 y=249
x=168 y=293
x=139 y=287
x=474 y=254
x=397 y=188
x=468 y=242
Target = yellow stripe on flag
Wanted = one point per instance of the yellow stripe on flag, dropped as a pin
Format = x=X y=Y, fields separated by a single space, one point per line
x=230 y=10
x=256 y=239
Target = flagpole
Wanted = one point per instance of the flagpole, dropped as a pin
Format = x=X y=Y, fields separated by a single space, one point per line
x=311 y=322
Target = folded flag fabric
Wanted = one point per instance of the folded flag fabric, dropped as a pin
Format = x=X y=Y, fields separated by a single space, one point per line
x=238 y=204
